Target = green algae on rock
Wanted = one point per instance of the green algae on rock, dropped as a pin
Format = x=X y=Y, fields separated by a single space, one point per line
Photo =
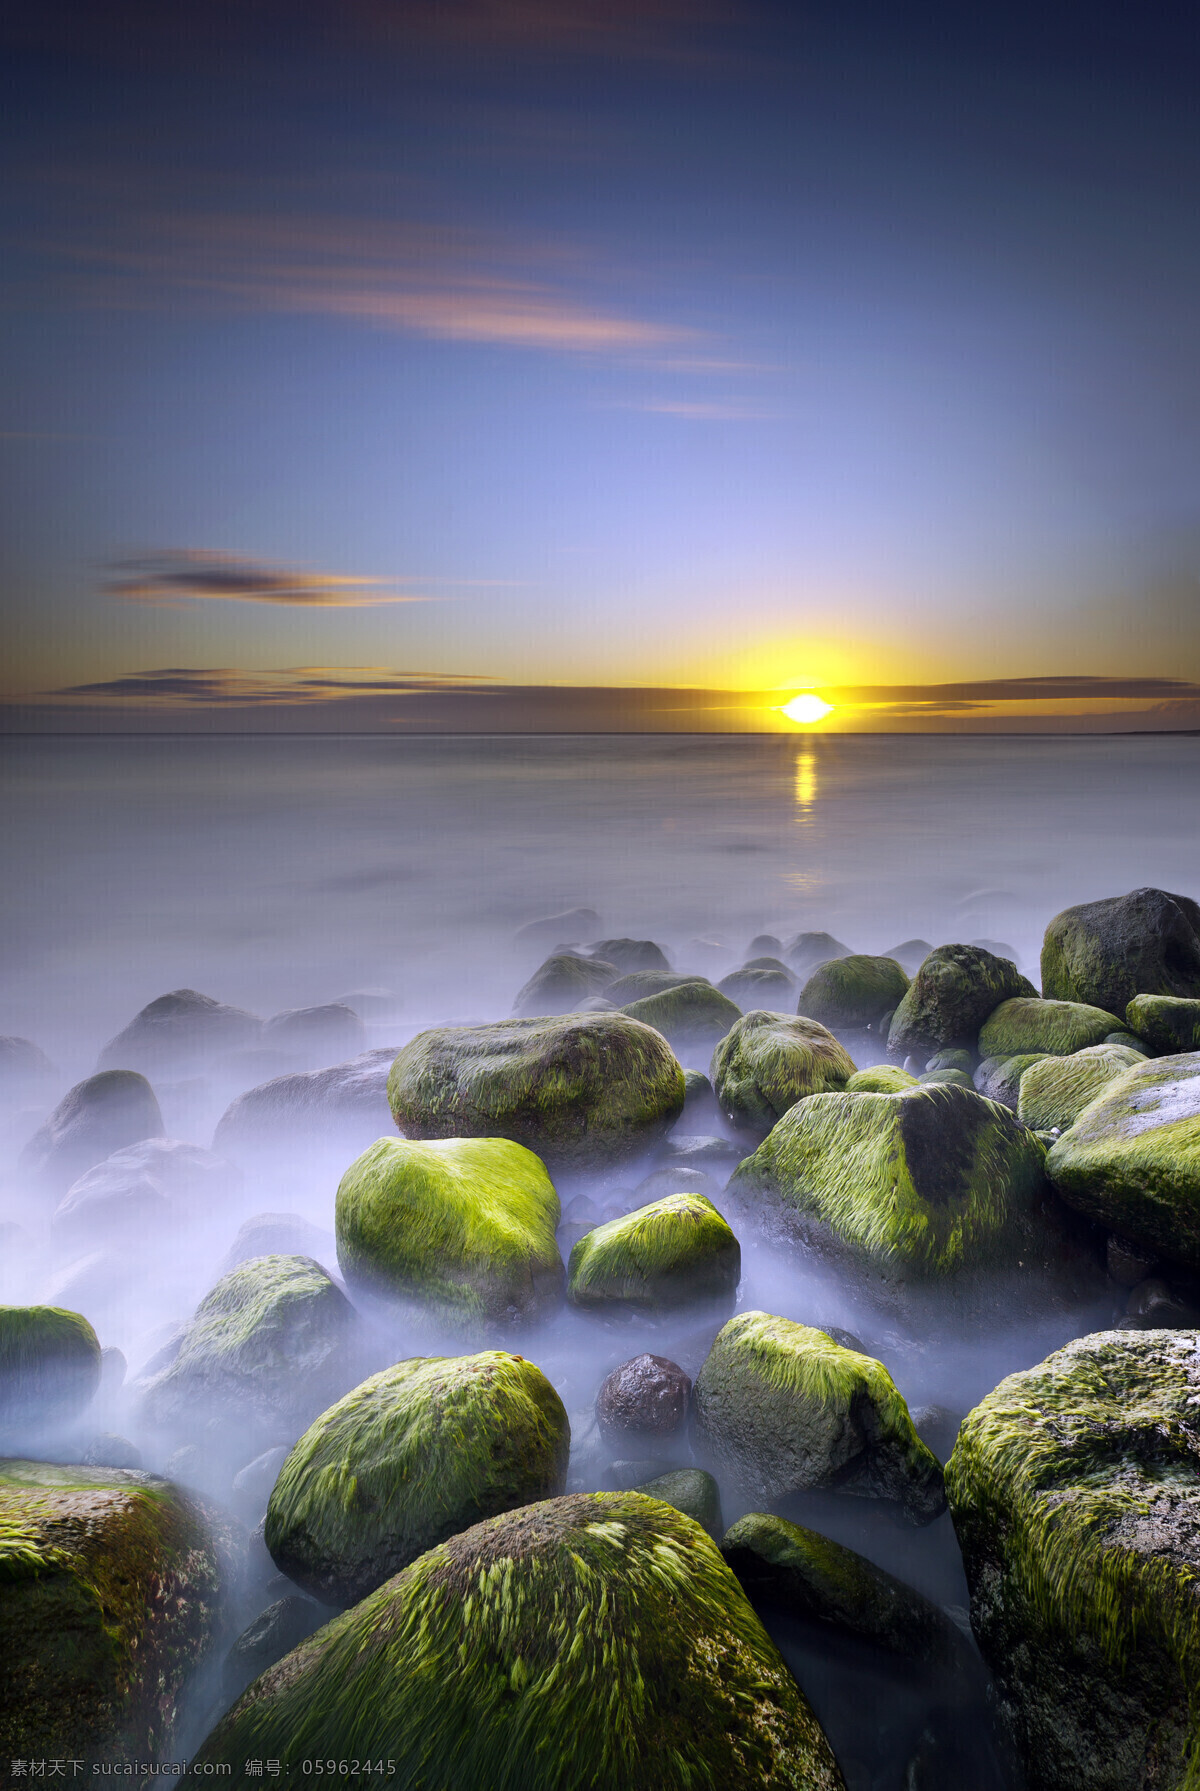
x=596 y=1640
x=767 y=1062
x=108 y=1597
x=951 y=996
x=854 y=991
x=582 y=1091
x=413 y=1456
x=49 y=1366
x=1055 y=1090
x=1059 y=1028
x=689 y=1013
x=946 y=1075
x=999 y=1078
x=1106 y=952
x=670 y=1253
x=782 y=1408
x=464 y=1226
x=691 y=1491
x=560 y=984
x=1075 y=1493
x=799 y=1571
x=1168 y=1023
x=880 y=1078
x=1131 y=1161
x=267 y=1343
x=913 y=1187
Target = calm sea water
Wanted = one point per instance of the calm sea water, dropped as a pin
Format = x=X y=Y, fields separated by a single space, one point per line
x=277 y=873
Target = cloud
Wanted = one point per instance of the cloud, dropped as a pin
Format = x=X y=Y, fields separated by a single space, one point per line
x=1055 y=688
x=183 y=573
x=197 y=686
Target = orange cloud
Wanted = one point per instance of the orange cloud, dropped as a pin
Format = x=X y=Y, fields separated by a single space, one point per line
x=186 y=573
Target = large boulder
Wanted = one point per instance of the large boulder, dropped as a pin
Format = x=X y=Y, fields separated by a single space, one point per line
x=582 y=1092
x=759 y=985
x=670 y=1253
x=646 y=1397
x=179 y=1034
x=689 y=1013
x=806 y=950
x=595 y=1640
x=462 y=1226
x=1106 y=952
x=266 y=1349
x=343 y=1105
x=636 y=985
x=152 y=1190
x=1055 y=1090
x=49 y=1368
x=1055 y=1027
x=880 y=1078
x=411 y=1457
x=108 y=1601
x=929 y=1185
x=767 y=1062
x=327 y=1034
x=1170 y=1024
x=999 y=1078
x=855 y=991
x=562 y=984
x=951 y=996
x=93 y=1119
x=1131 y=1161
x=630 y=954
x=1075 y=1493
x=782 y=1408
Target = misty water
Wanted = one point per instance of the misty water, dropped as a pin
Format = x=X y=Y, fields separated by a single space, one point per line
x=393 y=874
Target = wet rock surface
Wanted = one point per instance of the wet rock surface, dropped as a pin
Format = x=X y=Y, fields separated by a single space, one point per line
x=644 y=1397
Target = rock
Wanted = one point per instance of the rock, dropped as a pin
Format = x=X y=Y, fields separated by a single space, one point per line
x=757 y=987
x=376 y=1004
x=348 y=1101
x=953 y=1078
x=178 y=1033
x=280 y=1234
x=999 y=1078
x=1129 y=1040
x=1055 y=1090
x=929 y=1185
x=645 y=1397
x=807 y=950
x=1131 y=1161
x=704 y=1150
x=108 y=1450
x=411 y=1457
x=691 y=1013
x=321 y=1035
x=764 y=942
x=630 y=954
x=597 y=1639
x=998 y=949
x=910 y=954
x=1153 y=1307
x=463 y=1226
x=636 y=985
x=23 y=1065
x=696 y=1088
x=567 y=928
x=267 y=1346
x=936 y=1426
x=671 y=1253
x=1058 y=1027
x=951 y=996
x=782 y=1409
x=853 y=991
x=953 y=1060
x=49 y=1368
x=582 y=1093
x=1126 y=1265
x=108 y=1594
x=768 y=963
x=1105 y=953
x=561 y=983
x=787 y=1568
x=675 y=1178
x=274 y=1633
x=1168 y=1024
x=691 y=1491
x=880 y=1078
x=158 y=1186
x=1075 y=1493
x=252 y=1484
x=768 y=1062
x=93 y=1119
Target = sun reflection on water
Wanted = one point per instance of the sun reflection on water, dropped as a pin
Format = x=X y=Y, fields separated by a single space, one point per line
x=807 y=787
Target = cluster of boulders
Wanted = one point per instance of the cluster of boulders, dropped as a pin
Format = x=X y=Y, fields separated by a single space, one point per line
x=469 y=1591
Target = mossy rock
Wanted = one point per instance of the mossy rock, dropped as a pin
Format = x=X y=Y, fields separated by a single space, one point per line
x=95 y=1118
x=629 y=955
x=1168 y=1023
x=1131 y=1041
x=108 y=1600
x=637 y=985
x=880 y=1078
x=788 y=1568
x=951 y=996
x=691 y=1491
x=948 y=1077
x=950 y=1059
x=855 y=991
x=670 y=1253
x=596 y=1640
x=931 y=1184
x=1055 y=1090
x=49 y=1367
x=267 y=1345
x=1075 y=1493
x=413 y=1456
x=806 y=950
x=690 y=1013
x=1059 y=1028
x=1105 y=953
x=782 y=1408
x=759 y=986
x=561 y=983
x=1131 y=1161
x=463 y=1226
x=582 y=1092
x=999 y=1078
x=767 y=1062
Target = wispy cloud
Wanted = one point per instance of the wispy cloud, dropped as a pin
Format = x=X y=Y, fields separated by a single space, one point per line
x=717 y=410
x=181 y=574
x=205 y=686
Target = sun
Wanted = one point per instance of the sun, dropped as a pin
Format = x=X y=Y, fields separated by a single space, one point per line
x=806 y=708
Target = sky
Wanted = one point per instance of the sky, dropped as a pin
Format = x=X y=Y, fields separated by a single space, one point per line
x=499 y=364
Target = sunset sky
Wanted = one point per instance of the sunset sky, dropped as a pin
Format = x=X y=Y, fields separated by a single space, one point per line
x=498 y=363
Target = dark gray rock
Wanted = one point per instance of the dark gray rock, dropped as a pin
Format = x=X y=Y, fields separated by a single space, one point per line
x=274 y=1633
x=560 y=984
x=1104 y=953
x=179 y=1033
x=646 y=1397
x=345 y=1105
x=321 y=1035
x=95 y=1118
x=691 y=1491
x=630 y=954
x=951 y=996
